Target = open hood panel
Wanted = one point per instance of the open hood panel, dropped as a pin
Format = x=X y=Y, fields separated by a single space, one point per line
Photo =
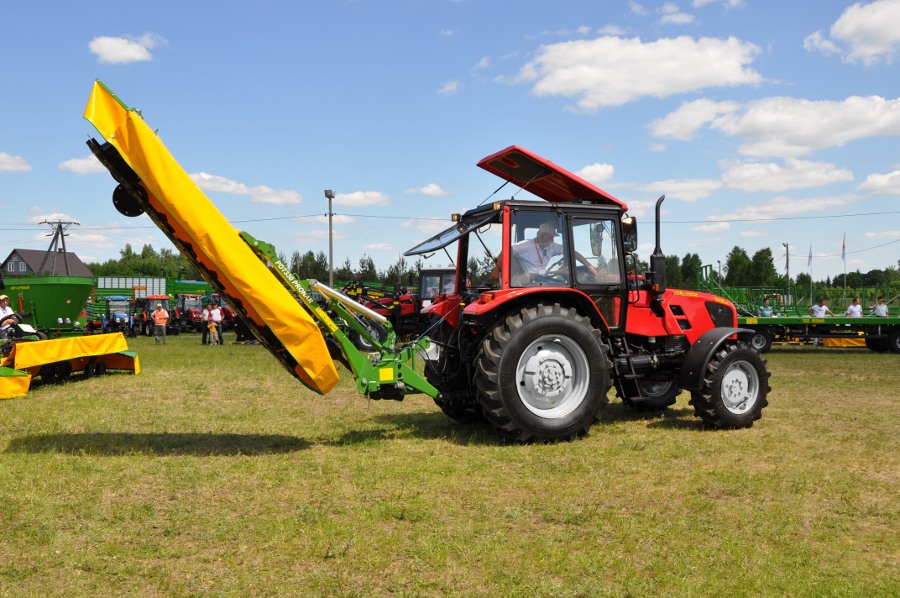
x=544 y=178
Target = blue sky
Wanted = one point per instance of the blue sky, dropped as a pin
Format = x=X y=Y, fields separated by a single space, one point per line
x=763 y=122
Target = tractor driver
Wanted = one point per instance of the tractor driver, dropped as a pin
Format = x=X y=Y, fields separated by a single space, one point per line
x=534 y=255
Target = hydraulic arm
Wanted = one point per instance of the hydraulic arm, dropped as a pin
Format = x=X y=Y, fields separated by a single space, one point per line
x=295 y=332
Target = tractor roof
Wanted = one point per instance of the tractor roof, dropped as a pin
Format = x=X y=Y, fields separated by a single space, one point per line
x=543 y=178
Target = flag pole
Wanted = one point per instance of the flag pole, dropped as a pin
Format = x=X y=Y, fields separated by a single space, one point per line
x=844 y=257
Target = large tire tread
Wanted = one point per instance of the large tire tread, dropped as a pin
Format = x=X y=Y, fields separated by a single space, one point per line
x=508 y=339
x=710 y=407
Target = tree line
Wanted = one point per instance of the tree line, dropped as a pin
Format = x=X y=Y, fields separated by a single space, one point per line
x=738 y=270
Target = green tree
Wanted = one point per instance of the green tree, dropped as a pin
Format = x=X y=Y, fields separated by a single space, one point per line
x=690 y=268
x=763 y=268
x=673 y=272
x=738 y=268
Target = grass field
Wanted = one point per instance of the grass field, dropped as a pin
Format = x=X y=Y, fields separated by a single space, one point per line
x=214 y=472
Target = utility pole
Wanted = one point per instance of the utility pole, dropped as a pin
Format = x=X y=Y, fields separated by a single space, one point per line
x=787 y=266
x=59 y=237
x=329 y=194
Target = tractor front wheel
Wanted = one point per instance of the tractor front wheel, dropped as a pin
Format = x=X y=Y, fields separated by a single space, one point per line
x=543 y=374
x=735 y=387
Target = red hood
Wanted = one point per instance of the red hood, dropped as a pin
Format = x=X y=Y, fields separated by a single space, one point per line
x=543 y=178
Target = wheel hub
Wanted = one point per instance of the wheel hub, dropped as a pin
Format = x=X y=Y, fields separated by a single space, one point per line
x=552 y=376
x=547 y=374
x=740 y=387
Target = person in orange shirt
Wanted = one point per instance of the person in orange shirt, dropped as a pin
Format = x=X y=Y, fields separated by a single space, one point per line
x=160 y=319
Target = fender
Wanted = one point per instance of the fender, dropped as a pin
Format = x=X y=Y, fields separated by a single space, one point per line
x=701 y=353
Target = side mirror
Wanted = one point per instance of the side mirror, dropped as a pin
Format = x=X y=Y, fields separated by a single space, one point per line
x=596 y=238
x=629 y=234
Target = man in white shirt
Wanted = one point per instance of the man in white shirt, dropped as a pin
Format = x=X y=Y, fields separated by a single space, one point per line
x=820 y=310
x=534 y=255
x=854 y=310
x=5 y=312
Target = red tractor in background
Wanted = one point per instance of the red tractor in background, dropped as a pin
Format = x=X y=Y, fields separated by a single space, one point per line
x=188 y=312
x=401 y=307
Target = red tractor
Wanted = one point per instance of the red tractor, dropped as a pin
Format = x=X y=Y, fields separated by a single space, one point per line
x=188 y=312
x=402 y=308
x=534 y=347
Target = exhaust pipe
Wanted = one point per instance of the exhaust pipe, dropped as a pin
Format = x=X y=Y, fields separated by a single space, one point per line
x=658 y=259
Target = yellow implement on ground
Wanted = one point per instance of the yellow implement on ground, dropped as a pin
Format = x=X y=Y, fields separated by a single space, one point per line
x=56 y=359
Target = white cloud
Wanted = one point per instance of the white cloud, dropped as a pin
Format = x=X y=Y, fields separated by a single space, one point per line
x=795 y=174
x=484 y=63
x=448 y=32
x=684 y=189
x=753 y=234
x=121 y=50
x=610 y=71
x=672 y=15
x=378 y=246
x=714 y=227
x=10 y=163
x=887 y=234
x=871 y=30
x=597 y=173
x=816 y=42
x=683 y=123
x=449 y=88
x=432 y=189
x=87 y=165
x=258 y=194
x=611 y=30
x=882 y=184
x=51 y=217
x=790 y=127
x=729 y=4
x=784 y=207
x=637 y=8
x=361 y=198
x=323 y=219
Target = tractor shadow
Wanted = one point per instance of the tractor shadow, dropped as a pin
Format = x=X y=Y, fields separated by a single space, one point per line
x=168 y=444
x=673 y=418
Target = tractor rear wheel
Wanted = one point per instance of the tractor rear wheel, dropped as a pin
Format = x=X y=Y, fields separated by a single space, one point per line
x=735 y=387
x=656 y=395
x=542 y=374
x=893 y=342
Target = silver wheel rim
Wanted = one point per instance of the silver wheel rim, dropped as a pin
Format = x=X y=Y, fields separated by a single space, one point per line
x=740 y=387
x=758 y=341
x=552 y=376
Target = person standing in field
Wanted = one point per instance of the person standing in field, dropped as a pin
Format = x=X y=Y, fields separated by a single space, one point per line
x=854 y=310
x=160 y=319
x=215 y=316
x=880 y=308
x=204 y=326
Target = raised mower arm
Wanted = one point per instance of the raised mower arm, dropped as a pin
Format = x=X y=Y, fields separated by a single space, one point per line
x=387 y=372
x=151 y=181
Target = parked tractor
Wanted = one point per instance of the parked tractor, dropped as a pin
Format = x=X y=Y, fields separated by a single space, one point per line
x=403 y=308
x=533 y=349
x=188 y=312
x=112 y=313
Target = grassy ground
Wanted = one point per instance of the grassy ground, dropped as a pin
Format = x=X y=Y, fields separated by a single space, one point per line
x=213 y=472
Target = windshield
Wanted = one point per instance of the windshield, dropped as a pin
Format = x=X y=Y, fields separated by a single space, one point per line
x=453 y=233
x=192 y=303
